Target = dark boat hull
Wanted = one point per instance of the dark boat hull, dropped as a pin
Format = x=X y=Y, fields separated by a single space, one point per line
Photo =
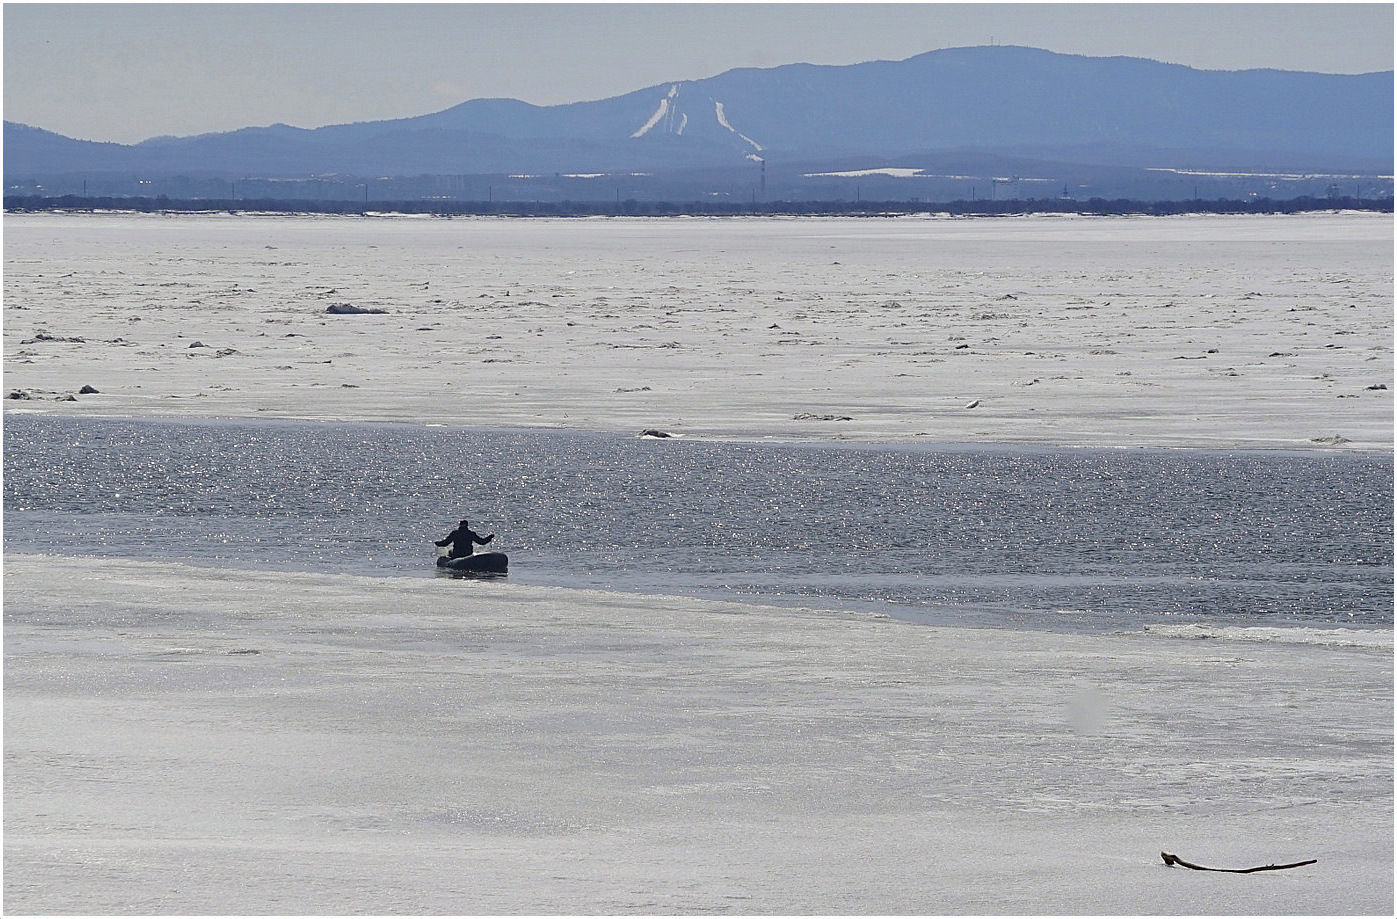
x=480 y=563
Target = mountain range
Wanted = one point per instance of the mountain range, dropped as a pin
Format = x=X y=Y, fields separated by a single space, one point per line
x=940 y=121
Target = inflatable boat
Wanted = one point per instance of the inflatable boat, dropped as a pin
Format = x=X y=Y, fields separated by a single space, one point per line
x=480 y=563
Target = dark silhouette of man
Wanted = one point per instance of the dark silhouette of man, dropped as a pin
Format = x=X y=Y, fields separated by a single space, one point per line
x=463 y=540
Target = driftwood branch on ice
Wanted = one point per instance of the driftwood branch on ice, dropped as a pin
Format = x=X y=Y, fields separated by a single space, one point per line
x=1172 y=860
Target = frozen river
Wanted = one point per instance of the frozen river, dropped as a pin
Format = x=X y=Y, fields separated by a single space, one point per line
x=1149 y=458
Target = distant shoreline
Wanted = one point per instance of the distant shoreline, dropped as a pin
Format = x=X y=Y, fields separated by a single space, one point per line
x=632 y=208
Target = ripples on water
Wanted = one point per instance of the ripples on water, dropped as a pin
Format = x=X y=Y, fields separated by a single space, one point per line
x=1082 y=538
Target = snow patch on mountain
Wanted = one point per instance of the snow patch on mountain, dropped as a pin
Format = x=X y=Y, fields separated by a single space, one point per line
x=897 y=172
x=722 y=114
x=1286 y=176
x=909 y=172
x=654 y=119
x=663 y=111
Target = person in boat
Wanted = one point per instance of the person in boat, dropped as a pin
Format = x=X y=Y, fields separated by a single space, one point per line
x=463 y=541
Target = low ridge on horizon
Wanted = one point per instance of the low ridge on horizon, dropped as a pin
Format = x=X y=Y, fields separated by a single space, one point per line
x=281 y=125
x=1030 y=105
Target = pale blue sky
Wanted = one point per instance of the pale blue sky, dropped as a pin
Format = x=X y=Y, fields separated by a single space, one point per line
x=127 y=72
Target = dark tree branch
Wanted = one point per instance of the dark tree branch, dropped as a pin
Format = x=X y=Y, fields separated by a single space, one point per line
x=1172 y=860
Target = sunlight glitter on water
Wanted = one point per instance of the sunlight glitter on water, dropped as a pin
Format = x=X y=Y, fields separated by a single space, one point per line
x=1011 y=537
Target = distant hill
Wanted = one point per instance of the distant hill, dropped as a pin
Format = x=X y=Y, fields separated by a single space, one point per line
x=976 y=106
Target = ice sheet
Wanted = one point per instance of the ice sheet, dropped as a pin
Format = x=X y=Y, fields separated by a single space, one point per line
x=1210 y=331
x=187 y=740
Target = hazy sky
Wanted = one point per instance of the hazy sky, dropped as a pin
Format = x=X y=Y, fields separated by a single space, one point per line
x=127 y=72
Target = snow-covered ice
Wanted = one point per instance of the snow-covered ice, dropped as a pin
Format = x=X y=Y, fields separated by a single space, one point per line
x=190 y=740
x=1206 y=331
